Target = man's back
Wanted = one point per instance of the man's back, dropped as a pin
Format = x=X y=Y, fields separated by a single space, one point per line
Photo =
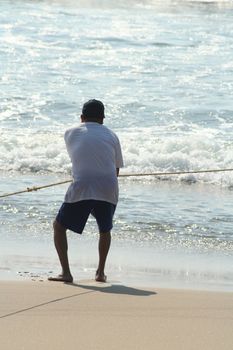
x=95 y=154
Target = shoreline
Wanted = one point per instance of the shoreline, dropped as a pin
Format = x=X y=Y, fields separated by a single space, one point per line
x=130 y=264
x=91 y=315
x=137 y=279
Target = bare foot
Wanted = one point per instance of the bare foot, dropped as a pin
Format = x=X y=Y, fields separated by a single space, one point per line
x=61 y=278
x=100 y=277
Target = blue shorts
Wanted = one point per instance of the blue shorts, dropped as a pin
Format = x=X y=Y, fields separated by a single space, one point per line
x=73 y=216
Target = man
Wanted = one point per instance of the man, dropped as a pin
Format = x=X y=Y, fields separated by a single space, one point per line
x=96 y=157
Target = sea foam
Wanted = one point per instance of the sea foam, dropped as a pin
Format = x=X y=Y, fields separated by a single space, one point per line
x=145 y=150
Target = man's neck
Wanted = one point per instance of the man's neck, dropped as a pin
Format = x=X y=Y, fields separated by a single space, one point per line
x=92 y=121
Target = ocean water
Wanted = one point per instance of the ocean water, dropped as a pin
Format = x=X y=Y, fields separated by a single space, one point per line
x=165 y=73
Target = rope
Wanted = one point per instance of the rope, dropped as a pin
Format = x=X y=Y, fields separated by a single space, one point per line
x=36 y=188
x=177 y=172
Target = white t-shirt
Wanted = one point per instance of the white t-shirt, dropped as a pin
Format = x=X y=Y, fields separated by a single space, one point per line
x=95 y=153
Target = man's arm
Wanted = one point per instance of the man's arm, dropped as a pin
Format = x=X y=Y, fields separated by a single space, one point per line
x=117 y=171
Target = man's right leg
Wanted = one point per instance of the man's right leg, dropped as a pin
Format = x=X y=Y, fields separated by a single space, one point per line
x=60 y=242
x=103 y=212
x=104 y=245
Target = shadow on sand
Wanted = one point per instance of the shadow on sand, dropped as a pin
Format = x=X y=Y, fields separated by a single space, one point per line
x=89 y=288
x=114 y=289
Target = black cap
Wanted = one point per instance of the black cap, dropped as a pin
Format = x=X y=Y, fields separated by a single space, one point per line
x=93 y=109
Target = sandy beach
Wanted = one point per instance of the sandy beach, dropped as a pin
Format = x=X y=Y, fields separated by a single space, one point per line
x=90 y=315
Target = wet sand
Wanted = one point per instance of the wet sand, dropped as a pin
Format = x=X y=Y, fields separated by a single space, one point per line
x=90 y=315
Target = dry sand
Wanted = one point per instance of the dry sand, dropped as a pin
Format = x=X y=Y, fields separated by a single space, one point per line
x=90 y=315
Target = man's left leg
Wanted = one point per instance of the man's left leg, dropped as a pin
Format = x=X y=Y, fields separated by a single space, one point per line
x=60 y=242
x=104 y=245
